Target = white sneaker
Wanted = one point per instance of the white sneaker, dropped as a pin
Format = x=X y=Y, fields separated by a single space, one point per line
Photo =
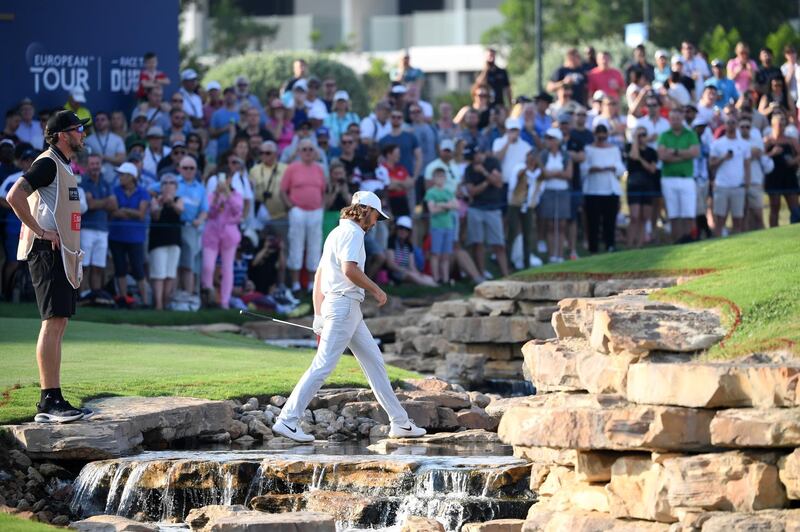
x=290 y=297
x=541 y=247
x=535 y=261
x=282 y=429
x=487 y=275
x=296 y=287
x=408 y=430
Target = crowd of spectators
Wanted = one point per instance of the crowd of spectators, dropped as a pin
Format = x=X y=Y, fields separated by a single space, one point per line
x=228 y=194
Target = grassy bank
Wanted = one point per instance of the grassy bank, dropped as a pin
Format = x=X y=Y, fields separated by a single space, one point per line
x=102 y=359
x=754 y=279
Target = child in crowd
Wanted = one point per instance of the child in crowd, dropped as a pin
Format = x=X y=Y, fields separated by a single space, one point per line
x=442 y=205
x=400 y=259
x=150 y=76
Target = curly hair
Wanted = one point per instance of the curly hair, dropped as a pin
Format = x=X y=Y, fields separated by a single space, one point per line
x=358 y=213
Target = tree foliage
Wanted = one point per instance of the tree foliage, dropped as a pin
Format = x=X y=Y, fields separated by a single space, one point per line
x=720 y=44
x=376 y=80
x=267 y=70
x=233 y=33
x=782 y=37
x=579 y=21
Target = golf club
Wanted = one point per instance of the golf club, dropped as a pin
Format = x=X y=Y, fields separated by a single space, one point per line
x=276 y=320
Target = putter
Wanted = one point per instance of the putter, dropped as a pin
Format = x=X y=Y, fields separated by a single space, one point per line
x=276 y=320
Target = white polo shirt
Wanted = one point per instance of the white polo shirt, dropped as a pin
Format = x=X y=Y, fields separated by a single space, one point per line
x=344 y=244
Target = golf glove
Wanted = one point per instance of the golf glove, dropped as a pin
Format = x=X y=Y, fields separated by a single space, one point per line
x=319 y=321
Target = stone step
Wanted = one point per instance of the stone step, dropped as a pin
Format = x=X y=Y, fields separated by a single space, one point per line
x=539 y=311
x=495 y=329
x=658 y=488
x=119 y=426
x=756 y=427
x=633 y=324
x=612 y=287
x=492 y=307
x=765 y=520
x=496 y=525
x=535 y=290
x=666 y=381
x=578 y=520
x=604 y=422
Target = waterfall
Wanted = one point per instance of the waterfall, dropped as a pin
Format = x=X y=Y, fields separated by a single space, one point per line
x=87 y=486
x=131 y=494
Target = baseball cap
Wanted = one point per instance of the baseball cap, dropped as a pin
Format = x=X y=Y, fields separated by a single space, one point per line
x=365 y=197
x=242 y=80
x=598 y=95
x=268 y=145
x=512 y=123
x=447 y=144
x=178 y=144
x=405 y=222
x=169 y=178
x=213 y=85
x=399 y=89
x=543 y=96
x=7 y=142
x=64 y=120
x=564 y=118
x=189 y=74
x=137 y=114
x=676 y=59
x=341 y=95
x=716 y=62
x=661 y=53
x=127 y=168
x=30 y=153
x=300 y=85
x=322 y=132
x=318 y=112
x=78 y=95
x=554 y=133
x=469 y=151
x=155 y=131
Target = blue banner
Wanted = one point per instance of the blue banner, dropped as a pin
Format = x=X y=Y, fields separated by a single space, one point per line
x=50 y=47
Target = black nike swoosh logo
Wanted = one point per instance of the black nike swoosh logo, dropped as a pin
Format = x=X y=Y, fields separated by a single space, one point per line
x=406 y=428
x=290 y=428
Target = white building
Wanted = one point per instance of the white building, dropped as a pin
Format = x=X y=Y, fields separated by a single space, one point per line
x=442 y=36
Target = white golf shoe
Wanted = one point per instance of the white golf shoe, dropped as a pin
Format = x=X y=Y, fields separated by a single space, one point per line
x=296 y=434
x=409 y=430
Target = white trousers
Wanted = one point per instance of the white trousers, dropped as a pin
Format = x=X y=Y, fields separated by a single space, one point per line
x=344 y=327
x=305 y=235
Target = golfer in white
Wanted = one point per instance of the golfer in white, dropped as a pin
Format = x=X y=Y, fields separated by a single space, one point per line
x=339 y=287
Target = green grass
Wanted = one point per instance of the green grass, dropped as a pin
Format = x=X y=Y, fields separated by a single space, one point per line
x=135 y=316
x=754 y=279
x=106 y=359
x=9 y=523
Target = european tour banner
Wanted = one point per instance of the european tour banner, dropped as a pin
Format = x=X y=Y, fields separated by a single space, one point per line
x=51 y=47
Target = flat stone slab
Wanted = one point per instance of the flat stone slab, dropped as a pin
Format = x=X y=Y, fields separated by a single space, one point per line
x=578 y=520
x=715 y=384
x=251 y=521
x=756 y=427
x=495 y=329
x=763 y=521
x=604 y=422
x=120 y=425
x=612 y=287
x=466 y=438
x=111 y=523
x=534 y=290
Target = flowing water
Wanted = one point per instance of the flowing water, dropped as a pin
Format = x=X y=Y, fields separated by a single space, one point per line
x=362 y=490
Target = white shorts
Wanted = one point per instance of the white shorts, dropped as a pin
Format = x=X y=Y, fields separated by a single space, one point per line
x=680 y=197
x=305 y=238
x=94 y=244
x=164 y=262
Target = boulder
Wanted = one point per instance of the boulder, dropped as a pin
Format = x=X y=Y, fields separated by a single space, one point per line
x=763 y=521
x=198 y=518
x=582 y=521
x=416 y=523
x=594 y=466
x=451 y=309
x=464 y=438
x=498 y=407
x=275 y=503
x=657 y=489
x=550 y=366
x=599 y=373
x=502 y=329
x=548 y=455
x=539 y=311
x=448 y=399
x=479 y=399
x=111 y=523
x=431 y=345
x=119 y=427
x=463 y=368
x=714 y=384
x=412 y=361
x=345 y=506
x=612 y=287
x=497 y=525
x=534 y=291
x=429 y=384
x=789 y=472
x=492 y=307
x=249 y=521
x=604 y=422
x=753 y=427
x=476 y=418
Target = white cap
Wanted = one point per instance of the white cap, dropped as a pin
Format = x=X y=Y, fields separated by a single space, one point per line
x=317 y=112
x=676 y=59
x=189 y=74
x=512 y=123
x=213 y=85
x=447 y=144
x=399 y=89
x=699 y=121
x=405 y=222
x=555 y=133
x=598 y=95
x=365 y=197
x=341 y=95
x=127 y=168
x=661 y=53
x=78 y=95
x=242 y=79
x=300 y=84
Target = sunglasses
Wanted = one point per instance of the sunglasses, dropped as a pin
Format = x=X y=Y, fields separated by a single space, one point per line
x=347 y=142
x=234 y=163
x=397 y=117
x=79 y=129
x=188 y=168
x=176 y=100
x=306 y=149
x=267 y=153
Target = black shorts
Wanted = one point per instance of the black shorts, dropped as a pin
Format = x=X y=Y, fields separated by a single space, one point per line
x=128 y=254
x=54 y=295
